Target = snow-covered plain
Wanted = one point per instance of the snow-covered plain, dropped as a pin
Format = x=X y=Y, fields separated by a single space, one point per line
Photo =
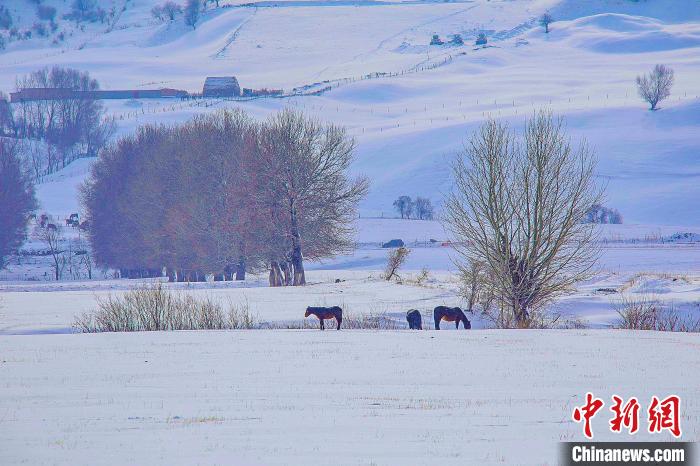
x=362 y=397
x=331 y=398
x=636 y=260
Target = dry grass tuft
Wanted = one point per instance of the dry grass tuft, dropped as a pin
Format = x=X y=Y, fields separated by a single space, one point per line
x=153 y=307
x=649 y=313
x=501 y=317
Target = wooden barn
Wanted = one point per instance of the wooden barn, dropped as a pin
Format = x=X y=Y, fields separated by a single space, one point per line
x=221 y=86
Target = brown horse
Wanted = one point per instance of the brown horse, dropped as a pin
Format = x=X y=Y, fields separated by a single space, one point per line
x=324 y=313
x=450 y=314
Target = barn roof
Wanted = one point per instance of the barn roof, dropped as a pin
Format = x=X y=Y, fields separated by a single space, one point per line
x=220 y=82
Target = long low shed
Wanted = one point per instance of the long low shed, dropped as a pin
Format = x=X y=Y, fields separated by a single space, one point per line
x=30 y=94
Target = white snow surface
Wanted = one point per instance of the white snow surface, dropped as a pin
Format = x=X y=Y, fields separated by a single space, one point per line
x=340 y=398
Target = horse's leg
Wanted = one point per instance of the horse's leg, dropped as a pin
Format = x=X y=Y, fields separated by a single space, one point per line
x=338 y=320
x=457 y=323
x=437 y=323
x=321 y=320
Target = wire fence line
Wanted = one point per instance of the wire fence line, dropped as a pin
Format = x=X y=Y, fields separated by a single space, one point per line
x=399 y=117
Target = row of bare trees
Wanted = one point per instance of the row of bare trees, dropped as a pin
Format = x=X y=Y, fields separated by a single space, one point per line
x=69 y=127
x=224 y=194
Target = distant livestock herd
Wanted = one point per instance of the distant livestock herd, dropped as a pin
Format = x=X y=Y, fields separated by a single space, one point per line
x=413 y=316
x=44 y=221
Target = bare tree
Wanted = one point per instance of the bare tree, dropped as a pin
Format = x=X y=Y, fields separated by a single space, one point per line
x=192 y=10
x=6 y=118
x=157 y=12
x=601 y=214
x=395 y=259
x=304 y=166
x=52 y=237
x=472 y=282
x=84 y=255
x=545 y=20
x=86 y=10
x=46 y=12
x=170 y=9
x=656 y=86
x=5 y=18
x=518 y=210
x=404 y=205
x=423 y=208
x=16 y=199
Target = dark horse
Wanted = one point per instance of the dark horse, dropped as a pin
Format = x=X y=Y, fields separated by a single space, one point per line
x=326 y=313
x=450 y=314
x=415 y=321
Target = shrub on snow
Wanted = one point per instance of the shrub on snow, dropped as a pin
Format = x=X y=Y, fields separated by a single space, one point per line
x=153 y=307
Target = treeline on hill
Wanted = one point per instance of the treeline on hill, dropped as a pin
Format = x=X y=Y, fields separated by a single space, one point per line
x=604 y=215
x=223 y=194
x=56 y=131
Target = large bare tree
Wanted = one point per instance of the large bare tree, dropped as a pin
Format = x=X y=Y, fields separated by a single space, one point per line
x=517 y=209
x=304 y=166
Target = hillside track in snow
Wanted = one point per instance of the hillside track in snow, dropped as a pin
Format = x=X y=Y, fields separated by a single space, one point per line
x=221 y=53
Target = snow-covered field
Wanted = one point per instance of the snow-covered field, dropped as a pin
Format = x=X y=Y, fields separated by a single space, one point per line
x=335 y=398
x=361 y=397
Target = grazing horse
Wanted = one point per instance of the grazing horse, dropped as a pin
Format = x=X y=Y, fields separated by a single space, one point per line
x=450 y=314
x=415 y=321
x=326 y=313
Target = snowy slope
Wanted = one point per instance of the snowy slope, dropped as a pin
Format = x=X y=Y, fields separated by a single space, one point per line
x=409 y=126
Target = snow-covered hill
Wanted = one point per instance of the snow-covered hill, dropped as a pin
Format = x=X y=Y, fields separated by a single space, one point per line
x=410 y=123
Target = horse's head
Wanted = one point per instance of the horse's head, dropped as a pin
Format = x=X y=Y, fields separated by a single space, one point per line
x=467 y=324
x=463 y=317
x=308 y=312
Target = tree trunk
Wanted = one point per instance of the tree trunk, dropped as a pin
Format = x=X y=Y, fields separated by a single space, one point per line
x=290 y=279
x=240 y=269
x=297 y=256
x=275 y=274
x=287 y=274
x=521 y=313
